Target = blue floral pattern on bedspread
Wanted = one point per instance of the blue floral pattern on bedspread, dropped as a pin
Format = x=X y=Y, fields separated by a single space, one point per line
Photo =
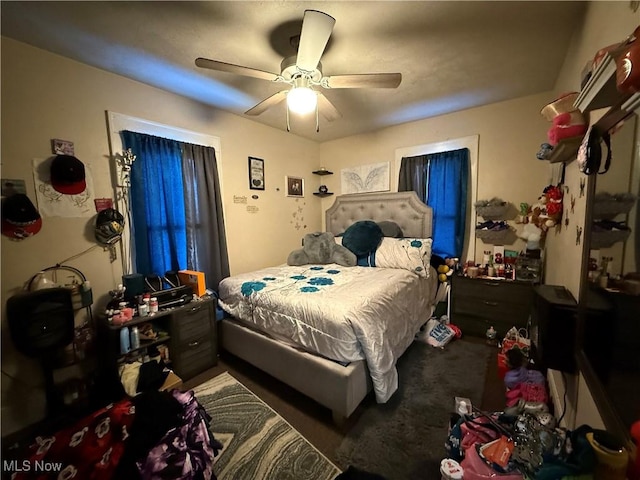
x=248 y=288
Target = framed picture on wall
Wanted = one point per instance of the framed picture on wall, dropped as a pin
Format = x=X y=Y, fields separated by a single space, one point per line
x=295 y=186
x=256 y=173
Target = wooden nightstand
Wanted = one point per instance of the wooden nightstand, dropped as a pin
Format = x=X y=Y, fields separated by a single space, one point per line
x=479 y=303
x=192 y=337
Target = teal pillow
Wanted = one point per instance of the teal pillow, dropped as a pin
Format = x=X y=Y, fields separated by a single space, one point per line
x=362 y=237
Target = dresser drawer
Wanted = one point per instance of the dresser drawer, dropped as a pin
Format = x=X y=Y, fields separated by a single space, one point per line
x=477 y=304
x=194 y=357
x=492 y=290
x=192 y=323
x=493 y=309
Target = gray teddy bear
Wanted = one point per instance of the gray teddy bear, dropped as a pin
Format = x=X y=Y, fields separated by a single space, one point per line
x=321 y=248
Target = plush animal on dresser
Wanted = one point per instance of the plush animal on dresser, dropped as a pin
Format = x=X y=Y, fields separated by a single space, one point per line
x=321 y=248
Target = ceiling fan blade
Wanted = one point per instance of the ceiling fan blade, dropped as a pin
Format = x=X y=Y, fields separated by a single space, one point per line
x=367 y=80
x=326 y=108
x=267 y=103
x=316 y=30
x=237 y=69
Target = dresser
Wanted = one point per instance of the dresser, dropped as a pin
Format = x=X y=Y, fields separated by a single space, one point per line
x=190 y=334
x=479 y=303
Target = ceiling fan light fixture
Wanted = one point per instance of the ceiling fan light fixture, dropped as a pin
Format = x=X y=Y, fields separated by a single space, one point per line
x=302 y=100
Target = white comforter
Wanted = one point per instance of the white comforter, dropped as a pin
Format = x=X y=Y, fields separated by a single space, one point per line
x=342 y=313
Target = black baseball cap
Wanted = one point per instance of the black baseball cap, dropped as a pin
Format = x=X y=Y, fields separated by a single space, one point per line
x=67 y=175
x=109 y=226
x=20 y=218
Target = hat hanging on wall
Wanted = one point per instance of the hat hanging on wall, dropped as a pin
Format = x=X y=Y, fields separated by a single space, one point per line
x=109 y=226
x=20 y=218
x=67 y=175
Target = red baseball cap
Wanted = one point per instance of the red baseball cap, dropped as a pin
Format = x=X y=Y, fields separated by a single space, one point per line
x=20 y=218
x=67 y=175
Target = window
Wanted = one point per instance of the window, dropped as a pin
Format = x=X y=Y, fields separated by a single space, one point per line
x=176 y=220
x=438 y=183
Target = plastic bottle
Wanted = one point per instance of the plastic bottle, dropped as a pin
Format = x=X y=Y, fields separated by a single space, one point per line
x=135 y=338
x=491 y=335
x=153 y=305
x=125 y=343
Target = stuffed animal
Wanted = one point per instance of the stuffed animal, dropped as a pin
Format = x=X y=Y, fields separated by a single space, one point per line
x=444 y=267
x=547 y=211
x=532 y=234
x=321 y=248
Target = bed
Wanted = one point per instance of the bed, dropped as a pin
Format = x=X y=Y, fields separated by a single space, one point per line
x=331 y=332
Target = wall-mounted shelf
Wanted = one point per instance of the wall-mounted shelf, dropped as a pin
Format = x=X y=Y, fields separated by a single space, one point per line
x=601 y=92
x=632 y=105
x=566 y=150
x=320 y=194
x=322 y=172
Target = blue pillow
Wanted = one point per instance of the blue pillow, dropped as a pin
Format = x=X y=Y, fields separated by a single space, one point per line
x=362 y=237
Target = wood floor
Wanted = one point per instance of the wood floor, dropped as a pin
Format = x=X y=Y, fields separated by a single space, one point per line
x=312 y=420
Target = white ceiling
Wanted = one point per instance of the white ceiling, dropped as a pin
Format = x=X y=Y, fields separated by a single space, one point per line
x=452 y=55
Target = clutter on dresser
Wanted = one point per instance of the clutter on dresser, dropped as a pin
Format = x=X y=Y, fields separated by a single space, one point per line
x=172 y=327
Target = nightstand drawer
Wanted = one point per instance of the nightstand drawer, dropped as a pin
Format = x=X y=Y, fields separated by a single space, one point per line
x=492 y=309
x=194 y=357
x=193 y=323
x=477 y=304
x=496 y=290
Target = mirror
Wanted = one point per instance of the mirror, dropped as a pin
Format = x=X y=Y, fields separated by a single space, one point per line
x=610 y=299
x=615 y=197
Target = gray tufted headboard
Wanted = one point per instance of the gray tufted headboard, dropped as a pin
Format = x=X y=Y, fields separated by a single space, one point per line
x=404 y=208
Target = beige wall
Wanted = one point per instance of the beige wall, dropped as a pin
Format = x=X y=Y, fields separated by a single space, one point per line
x=46 y=96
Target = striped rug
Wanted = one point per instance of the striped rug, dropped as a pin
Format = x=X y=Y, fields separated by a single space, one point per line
x=258 y=443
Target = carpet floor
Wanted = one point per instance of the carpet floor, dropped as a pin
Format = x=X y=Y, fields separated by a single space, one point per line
x=315 y=423
x=258 y=443
x=404 y=438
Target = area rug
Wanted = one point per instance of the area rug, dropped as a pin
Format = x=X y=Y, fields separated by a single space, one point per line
x=258 y=443
x=404 y=438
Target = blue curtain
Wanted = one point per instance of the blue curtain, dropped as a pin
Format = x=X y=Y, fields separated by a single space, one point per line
x=447 y=185
x=157 y=204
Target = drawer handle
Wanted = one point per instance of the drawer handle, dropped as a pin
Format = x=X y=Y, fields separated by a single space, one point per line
x=492 y=284
x=491 y=304
x=194 y=344
x=195 y=309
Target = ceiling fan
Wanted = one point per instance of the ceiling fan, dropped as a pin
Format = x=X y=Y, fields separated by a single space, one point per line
x=303 y=72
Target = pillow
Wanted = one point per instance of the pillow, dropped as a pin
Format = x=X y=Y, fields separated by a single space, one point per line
x=362 y=237
x=390 y=229
x=413 y=254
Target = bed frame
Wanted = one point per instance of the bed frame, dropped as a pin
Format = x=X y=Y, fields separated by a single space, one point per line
x=339 y=388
